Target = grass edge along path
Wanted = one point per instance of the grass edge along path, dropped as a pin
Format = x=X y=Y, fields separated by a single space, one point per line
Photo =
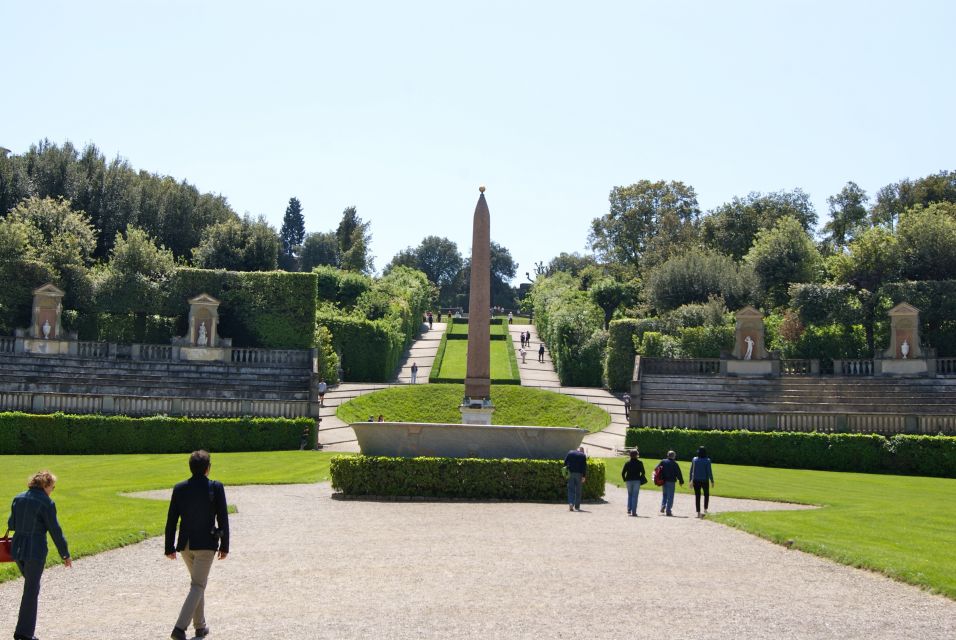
x=514 y=405
x=899 y=526
x=96 y=517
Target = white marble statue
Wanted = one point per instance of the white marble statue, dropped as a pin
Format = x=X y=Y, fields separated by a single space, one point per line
x=750 y=348
x=203 y=340
x=46 y=329
x=905 y=348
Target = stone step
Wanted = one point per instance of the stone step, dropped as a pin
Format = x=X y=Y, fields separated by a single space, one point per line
x=154 y=391
x=39 y=362
x=278 y=381
x=920 y=395
x=701 y=404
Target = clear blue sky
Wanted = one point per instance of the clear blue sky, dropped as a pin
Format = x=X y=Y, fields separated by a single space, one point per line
x=403 y=109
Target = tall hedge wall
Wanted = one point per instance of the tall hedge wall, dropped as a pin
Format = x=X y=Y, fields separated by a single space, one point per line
x=619 y=361
x=468 y=478
x=865 y=453
x=58 y=433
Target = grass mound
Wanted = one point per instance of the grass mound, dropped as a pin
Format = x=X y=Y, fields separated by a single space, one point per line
x=439 y=403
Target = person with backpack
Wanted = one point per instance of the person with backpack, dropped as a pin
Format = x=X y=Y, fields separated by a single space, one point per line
x=668 y=473
x=633 y=475
x=700 y=472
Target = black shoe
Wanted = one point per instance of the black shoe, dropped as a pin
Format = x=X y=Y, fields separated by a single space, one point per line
x=202 y=632
x=17 y=636
x=178 y=634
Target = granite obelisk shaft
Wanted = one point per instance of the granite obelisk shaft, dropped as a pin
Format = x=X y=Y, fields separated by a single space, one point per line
x=478 y=371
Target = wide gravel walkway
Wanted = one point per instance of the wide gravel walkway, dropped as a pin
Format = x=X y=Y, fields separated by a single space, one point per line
x=307 y=566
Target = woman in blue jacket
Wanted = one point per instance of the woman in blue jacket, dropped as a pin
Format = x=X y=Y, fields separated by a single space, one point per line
x=701 y=472
x=32 y=516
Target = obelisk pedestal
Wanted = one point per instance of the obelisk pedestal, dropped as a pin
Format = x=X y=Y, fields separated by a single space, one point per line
x=476 y=407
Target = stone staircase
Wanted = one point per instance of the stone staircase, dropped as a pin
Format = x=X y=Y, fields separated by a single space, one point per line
x=883 y=405
x=69 y=383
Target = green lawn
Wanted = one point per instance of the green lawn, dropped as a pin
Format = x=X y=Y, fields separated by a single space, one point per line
x=439 y=403
x=901 y=526
x=454 y=361
x=95 y=518
x=516 y=320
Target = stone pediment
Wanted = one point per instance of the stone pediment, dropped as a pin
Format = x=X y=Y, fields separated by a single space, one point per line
x=903 y=309
x=49 y=289
x=203 y=298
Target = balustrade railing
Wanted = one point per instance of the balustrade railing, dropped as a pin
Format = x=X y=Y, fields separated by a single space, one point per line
x=860 y=367
x=269 y=357
x=155 y=351
x=7 y=344
x=795 y=367
x=946 y=366
x=85 y=349
x=681 y=366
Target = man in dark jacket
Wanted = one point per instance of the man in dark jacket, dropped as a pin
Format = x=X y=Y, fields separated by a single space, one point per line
x=198 y=505
x=577 y=464
x=671 y=473
x=633 y=475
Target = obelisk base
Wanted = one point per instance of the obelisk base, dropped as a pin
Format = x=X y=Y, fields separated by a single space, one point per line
x=476 y=411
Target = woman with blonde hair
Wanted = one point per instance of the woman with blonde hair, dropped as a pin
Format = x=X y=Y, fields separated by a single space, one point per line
x=32 y=516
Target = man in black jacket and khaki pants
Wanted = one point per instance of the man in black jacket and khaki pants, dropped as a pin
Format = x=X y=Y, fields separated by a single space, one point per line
x=199 y=507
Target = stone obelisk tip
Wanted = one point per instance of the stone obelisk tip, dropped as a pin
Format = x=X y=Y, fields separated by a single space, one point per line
x=481 y=188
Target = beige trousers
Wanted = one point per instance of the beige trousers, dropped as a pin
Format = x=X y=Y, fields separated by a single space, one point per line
x=198 y=563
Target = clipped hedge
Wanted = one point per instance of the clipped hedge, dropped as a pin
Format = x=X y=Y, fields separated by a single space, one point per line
x=370 y=349
x=866 y=453
x=58 y=433
x=468 y=478
x=619 y=360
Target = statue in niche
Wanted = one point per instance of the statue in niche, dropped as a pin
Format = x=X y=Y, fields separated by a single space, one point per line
x=202 y=340
x=46 y=329
x=905 y=348
x=750 y=348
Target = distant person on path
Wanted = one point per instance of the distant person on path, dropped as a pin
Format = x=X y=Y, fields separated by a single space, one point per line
x=627 y=405
x=322 y=388
x=524 y=354
x=199 y=506
x=381 y=418
x=671 y=473
x=431 y=320
x=439 y=315
x=414 y=372
x=577 y=463
x=32 y=515
x=700 y=472
x=511 y=318
x=541 y=353
x=633 y=475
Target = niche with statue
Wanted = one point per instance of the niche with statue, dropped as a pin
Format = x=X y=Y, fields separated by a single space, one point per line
x=202 y=341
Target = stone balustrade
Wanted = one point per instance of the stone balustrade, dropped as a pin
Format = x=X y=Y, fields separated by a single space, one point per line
x=881 y=423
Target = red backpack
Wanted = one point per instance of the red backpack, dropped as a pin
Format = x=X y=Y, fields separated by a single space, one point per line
x=659 y=475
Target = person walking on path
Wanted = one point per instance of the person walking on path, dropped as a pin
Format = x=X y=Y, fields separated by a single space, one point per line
x=700 y=472
x=633 y=475
x=198 y=506
x=32 y=516
x=541 y=353
x=577 y=463
x=431 y=320
x=511 y=318
x=322 y=388
x=671 y=473
x=414 y=372
x=523 y=353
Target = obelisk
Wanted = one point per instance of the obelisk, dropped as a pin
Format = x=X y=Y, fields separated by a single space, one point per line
x=476 y=408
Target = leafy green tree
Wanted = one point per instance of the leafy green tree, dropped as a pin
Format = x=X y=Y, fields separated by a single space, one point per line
x=696 y=276
x=647 y=223
x=848 y=216
x=354 y=240
x=238 y=245
x=893 y=199
x=503 y=270
x=438 y=258
x=134 y=277
x=927 y=242
x=781 y=256
x=321 y=248
x=732 y=227
x=292 y=233
x=609 y=294
x=573 y=263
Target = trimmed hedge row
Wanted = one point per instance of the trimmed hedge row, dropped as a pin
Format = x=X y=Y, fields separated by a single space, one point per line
x=856 y=452
x=619 y=358
x=470 y=478
x=58 y=433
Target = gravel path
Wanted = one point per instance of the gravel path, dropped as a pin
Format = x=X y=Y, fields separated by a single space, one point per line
x=307 y=566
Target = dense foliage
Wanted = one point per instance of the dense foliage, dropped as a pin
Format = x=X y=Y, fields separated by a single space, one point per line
x=461 y=478
x=58 y=433
x=903 y=454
